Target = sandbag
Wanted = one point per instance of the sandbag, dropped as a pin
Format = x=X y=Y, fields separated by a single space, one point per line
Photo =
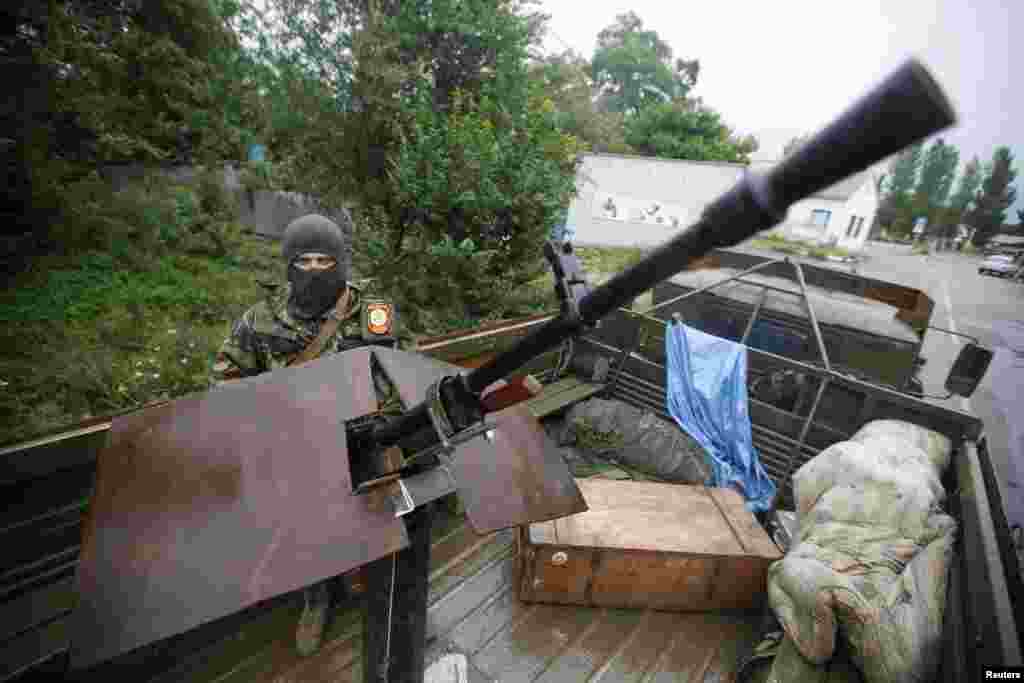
x=905 y=642
x=886 y=591
x=879 y=459
x=636 y=439
x=872 y=556
x=936 y=446
x=882 y=505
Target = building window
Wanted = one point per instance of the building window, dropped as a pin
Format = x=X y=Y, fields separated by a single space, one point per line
x=851 y=226
x=820 y=217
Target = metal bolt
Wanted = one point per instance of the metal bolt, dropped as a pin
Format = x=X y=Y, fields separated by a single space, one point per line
x=559 y=558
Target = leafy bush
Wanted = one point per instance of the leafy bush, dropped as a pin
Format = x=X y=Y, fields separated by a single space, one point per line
x=97 y=285
x=87 y=339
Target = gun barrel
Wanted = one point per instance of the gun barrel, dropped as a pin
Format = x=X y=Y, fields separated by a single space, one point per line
x=905 y=108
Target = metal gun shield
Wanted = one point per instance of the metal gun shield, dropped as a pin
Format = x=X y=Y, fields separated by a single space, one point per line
x=212 y=503
x=516 y=477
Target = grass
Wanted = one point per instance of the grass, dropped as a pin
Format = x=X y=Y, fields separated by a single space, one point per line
x=94 y=335
x=773 y=242
x=608 y=260
x=599 y=264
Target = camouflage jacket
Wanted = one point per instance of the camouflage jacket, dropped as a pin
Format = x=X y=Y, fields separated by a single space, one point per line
x=268 y=337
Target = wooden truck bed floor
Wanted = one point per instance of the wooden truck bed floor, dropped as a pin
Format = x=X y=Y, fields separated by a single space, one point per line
x=474 y=611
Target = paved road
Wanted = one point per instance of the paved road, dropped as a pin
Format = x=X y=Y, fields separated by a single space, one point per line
x=965 y=302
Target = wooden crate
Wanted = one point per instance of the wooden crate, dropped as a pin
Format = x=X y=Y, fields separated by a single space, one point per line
x=642 y=544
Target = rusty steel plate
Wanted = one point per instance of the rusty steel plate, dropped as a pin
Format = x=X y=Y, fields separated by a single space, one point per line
x=517 y=478
x=412 y=373
x=214 y=502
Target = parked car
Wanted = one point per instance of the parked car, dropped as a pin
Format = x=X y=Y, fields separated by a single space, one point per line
x=1000 y=265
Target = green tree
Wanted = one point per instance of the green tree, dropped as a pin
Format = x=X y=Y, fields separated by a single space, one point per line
x=904 y=170
x=997 y=194
x=895 y=209
x=938 y=169
x=565 y=80
x=450 y=156
x=970 y=181
x=963 y=198
x=633 y=67
x=97 y=82
x=685 y=129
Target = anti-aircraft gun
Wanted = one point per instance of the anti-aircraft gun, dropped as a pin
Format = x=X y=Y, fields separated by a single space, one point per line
x=212 y=503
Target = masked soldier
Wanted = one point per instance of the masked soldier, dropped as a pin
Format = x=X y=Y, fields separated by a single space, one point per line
x=318 y=312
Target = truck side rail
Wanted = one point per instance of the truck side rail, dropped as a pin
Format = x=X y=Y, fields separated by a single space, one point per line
x=915 y=306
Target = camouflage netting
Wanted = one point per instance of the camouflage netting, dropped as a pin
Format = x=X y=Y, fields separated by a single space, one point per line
x=616 y=440
x=871 y=559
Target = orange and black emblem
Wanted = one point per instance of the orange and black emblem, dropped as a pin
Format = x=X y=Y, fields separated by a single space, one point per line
x=378 y=318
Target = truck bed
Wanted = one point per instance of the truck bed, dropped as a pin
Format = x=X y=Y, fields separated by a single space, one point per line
x=474 y=611
x=473 y=605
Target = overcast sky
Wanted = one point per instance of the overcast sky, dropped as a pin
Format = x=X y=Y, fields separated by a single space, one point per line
x=783 y=67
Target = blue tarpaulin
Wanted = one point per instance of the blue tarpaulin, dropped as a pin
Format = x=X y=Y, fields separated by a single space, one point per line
x=707 y=396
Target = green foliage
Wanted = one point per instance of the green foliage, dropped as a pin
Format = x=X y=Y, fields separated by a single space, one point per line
x=634 y=68
x=903 y=178
x=565 y=80
x=970 y=181
x=895 y=210
x=106 y=83
x=296 y=64
x=996 y=196
x=449 y=140
x=93 y=334
x=938 y=168
x=775 y=242
x=97 y=285
x=608 y=260
x=686 y=130
x=142 y=89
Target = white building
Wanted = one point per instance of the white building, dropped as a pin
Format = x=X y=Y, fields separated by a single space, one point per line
x=632 y=200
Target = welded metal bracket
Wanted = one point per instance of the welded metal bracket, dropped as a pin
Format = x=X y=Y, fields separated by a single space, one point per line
x=437 y=482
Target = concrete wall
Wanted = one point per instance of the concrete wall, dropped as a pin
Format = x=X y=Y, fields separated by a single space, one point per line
x=642 y=201
x=635 y=186
x=120 y=175
x=863 y=204
x=268 y=213
x=798 y=225
x=263 y=212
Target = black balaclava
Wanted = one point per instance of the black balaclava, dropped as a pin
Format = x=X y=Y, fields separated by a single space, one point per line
x=313 y=292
